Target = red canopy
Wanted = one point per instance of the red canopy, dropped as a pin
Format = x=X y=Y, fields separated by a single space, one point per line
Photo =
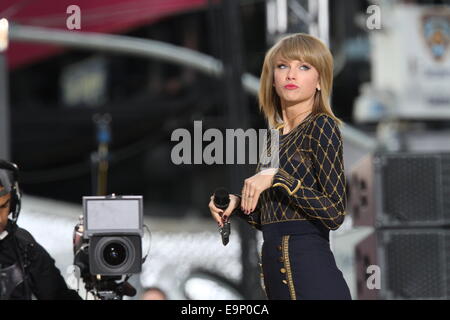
x=107 y=16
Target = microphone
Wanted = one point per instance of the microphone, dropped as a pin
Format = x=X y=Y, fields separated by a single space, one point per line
x=221 y=201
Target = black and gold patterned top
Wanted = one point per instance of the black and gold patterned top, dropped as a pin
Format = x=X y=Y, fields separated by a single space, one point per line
x=310 y=182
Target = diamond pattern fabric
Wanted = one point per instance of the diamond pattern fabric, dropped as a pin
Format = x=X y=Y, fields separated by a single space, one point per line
x=310 y=182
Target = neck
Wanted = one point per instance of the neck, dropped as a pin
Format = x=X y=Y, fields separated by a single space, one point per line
x=294 y=114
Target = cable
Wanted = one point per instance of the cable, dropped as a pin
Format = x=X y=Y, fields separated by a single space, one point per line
x=150 y=243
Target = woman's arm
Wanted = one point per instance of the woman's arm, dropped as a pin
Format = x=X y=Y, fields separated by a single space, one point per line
x=327 y=204
x=254 y=218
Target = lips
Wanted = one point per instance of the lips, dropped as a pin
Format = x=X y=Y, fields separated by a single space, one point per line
x=290 y=86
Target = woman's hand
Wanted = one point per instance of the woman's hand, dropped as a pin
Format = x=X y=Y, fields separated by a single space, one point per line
x=218 y=214
x=253 y=187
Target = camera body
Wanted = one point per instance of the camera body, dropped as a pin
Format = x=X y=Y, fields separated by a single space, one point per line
x=113 y=227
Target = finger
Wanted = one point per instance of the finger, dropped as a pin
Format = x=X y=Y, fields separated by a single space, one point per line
x=254 y=201
x=214 y=209
x=218 y=212
x=225 y=216
x=250 y=194
x=246 y=201
x=212 y=206
x=254 y=195
x=243 y=198
x=234 y=204
x=216 y=216
x=244 y=195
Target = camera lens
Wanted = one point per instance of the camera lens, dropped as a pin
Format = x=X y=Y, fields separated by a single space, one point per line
x=114 y=254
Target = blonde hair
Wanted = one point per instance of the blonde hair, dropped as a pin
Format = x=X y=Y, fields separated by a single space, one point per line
x=302 y=47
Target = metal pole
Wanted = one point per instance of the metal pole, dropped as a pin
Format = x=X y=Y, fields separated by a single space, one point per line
x=4 y=110
x=319 y=26
x=237 y=108
x=4 y=105
x=323 y=22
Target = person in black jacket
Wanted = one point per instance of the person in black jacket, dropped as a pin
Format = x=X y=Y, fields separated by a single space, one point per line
x=26 y=268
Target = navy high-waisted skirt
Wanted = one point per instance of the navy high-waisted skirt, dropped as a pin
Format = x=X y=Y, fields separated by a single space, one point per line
x=301 y=267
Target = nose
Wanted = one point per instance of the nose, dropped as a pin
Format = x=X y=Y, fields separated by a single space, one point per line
x=291 y=74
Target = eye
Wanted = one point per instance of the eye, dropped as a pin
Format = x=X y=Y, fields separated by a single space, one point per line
x=304 y=67
x=281 y=66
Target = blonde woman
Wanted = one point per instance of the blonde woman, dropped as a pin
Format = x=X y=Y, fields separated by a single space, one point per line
x=297 y=204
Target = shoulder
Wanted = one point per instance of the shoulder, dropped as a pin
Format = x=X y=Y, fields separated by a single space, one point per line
x=324 y=130
x=322 y=119
x=24 y=236
x=29 y=244
x=324 y=123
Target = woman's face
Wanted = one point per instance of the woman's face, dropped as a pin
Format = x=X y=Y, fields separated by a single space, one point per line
x=295 y=81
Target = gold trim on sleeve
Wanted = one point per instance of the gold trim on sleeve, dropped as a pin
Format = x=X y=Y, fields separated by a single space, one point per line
x=280 y=184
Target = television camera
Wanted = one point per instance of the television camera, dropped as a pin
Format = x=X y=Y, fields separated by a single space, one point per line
x=107 y=244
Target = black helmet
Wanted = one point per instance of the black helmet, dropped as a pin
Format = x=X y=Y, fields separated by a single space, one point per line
x=9 y=176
